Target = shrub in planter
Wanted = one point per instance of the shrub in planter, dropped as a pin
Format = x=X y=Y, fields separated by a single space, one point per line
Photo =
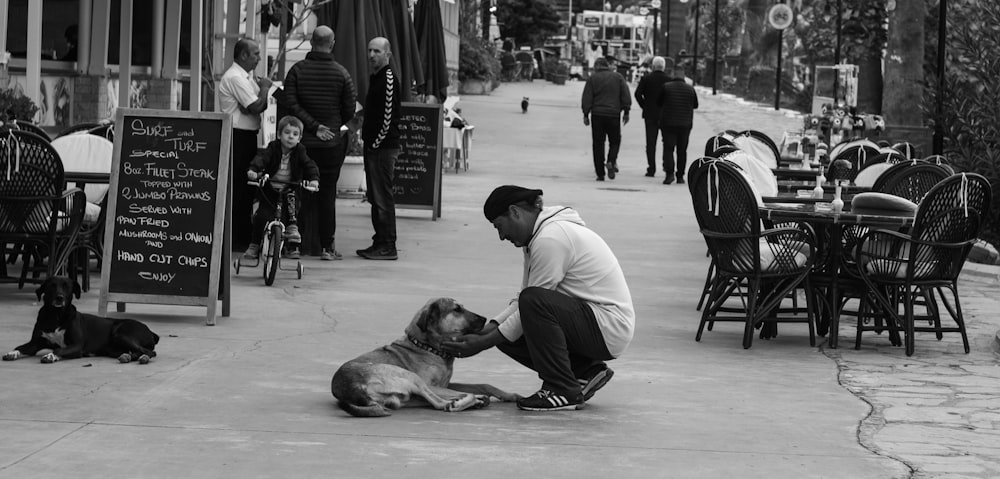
x=556 y=70
x=477 y=60
x=15 y=106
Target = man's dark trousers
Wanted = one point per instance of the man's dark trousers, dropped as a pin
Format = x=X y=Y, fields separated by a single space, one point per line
x=561 y=339
x=602 y=127
x=379 y=169
x=244 y=149
x=675 y=137
x=321 y=212
x=652 y=131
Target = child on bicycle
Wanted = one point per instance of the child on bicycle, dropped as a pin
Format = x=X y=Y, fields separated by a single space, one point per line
x=286 y=160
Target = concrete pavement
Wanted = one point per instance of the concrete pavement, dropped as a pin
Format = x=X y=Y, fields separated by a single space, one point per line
x=250 y=397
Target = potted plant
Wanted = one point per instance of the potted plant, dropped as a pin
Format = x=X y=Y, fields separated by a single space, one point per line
x=352 y=174
x=557 y=71
x=15 y=106
x=478 y=67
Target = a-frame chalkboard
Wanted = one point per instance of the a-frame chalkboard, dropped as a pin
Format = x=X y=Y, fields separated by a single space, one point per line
x=417 y=175
x=163 y=241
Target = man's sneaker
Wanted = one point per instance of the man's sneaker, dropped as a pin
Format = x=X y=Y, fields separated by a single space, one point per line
x=330 y=254
x=680 y=180
x=600 y=178
x=545 y=400
x=611 y=170
x=293 y=253
x=382 y=252
x=253 y=251
x=595 y=378
x=669 y=179
x=650 y=174
x=292 y=234
x=368 y=250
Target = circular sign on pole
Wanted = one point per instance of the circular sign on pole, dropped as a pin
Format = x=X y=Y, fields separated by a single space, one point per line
x=643 y=11
x=780 y=16
x=655 y=3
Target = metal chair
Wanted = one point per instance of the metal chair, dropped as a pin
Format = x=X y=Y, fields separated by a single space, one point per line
x=758 y=267
x=899 y=268
x=39 y=221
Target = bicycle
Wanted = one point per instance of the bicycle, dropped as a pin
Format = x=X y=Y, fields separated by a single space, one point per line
x=274 y=233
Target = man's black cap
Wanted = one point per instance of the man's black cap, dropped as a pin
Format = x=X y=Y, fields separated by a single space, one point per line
x=504 y=196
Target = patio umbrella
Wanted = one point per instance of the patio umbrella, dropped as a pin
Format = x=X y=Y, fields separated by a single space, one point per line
x=398 y=28
x=354 y=22
x=430 y=39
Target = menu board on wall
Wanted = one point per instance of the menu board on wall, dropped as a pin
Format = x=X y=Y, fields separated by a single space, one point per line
x=165 y=228
x=417 y=176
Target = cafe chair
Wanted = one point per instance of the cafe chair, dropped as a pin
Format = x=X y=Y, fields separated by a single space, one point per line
x=851 y=142
x=910 y=180
x=107 y=130
x=759 y=146
x=713 y=144
x=871 y=173
x=78 y=128
x=908 y=149
x=757 y=267
x=31 y=128
x=87 y=163
x=858 y=155
x=39 y=217
x=900 y=268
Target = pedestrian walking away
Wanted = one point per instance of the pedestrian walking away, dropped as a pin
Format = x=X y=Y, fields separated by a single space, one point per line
x=320 y=92
x=574 y=311
x=380 y=133
x=606 y=101
x=244 y=98
x=677 y=103
x=647 y=96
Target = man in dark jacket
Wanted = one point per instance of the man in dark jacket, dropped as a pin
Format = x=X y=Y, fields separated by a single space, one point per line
x=320 y=92
x=677 y=103
x=380 y=132
x=647 y=94
x=605 y=98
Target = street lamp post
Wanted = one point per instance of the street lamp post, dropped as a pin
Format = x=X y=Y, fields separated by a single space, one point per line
x=715 y=54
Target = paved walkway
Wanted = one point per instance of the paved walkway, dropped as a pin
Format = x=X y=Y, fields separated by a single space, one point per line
x=250 y=397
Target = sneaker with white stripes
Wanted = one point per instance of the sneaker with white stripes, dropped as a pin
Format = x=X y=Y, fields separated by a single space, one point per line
x=545 y=400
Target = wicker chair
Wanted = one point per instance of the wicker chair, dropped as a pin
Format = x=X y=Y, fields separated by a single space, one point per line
x=910 y=180
x=758 y=267
x=39 y=221
x=32 y=128
x=858 y=155
x=898 y=268
x=78 y=128
x=713 y=144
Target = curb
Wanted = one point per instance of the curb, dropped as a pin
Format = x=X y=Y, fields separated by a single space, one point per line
x=981 y=272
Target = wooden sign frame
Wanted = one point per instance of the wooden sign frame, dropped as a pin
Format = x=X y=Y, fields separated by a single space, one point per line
x=437 y=114
x=220 y=259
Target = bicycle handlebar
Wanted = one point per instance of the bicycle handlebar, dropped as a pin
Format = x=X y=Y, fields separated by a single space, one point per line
x=262 y=179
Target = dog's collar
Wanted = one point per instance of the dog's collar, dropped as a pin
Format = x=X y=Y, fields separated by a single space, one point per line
x=426 y=347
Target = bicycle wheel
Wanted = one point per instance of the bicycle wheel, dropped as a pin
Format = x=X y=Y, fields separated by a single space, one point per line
x=273 y=252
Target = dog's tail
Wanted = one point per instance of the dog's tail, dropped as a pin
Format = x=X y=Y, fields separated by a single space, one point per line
x=371 y=410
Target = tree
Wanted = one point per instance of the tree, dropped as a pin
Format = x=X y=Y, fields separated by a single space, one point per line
x=904 y=64
x=528 y=22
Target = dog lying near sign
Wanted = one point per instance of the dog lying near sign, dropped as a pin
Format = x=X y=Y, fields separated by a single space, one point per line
x=70 y=334
x=388 y=377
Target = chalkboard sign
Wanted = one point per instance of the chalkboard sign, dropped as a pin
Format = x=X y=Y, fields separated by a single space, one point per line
x=417 y=176
x=165 y=228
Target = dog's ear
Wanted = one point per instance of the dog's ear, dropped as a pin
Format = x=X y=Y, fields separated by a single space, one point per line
x=430 y=313
x=41 y=288
x=76 y=289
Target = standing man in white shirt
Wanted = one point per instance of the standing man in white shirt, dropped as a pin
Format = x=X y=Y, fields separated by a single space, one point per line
x=244 y=98
x=574 y=311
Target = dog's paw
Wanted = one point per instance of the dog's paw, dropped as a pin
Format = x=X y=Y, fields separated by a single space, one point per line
x=11 y=356
x=482 y=400
x=50 y=358
x=125 y=358
x=144 y=359
x=461 y=404
x=509 y=397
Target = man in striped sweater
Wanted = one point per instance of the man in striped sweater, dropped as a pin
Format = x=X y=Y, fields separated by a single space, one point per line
x=380 y=133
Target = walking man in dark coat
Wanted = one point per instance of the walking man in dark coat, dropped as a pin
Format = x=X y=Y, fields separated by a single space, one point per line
x=605 y=99
x=647 y=96
x=677 y=103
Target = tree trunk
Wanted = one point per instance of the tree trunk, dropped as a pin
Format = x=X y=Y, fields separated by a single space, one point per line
x=901 y=104
x=752 y=53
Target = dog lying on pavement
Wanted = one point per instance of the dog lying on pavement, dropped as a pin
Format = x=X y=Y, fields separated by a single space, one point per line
x=70 y=334
x=414 y=366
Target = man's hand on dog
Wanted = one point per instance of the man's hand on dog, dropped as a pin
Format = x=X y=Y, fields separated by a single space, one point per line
x=466 y=345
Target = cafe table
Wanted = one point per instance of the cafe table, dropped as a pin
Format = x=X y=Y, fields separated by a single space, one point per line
x=793 y=186
x=822 y=217
x=792 y=173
